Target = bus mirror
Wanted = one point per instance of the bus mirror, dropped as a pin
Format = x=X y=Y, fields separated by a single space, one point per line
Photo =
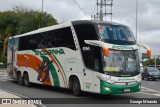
x=98 y=44
x=105 y=51
x=149 y=53
x=147 y=48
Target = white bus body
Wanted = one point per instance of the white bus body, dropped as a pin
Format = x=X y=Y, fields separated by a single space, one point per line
x=78 y=55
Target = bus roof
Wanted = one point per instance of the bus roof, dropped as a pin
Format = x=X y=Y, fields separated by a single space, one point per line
x=78 y=22
x=96 y=21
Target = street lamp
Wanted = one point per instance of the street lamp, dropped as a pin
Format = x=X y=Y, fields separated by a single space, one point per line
x=136 y=17
x=155 y=61
x=40 y=24
x=42 y=5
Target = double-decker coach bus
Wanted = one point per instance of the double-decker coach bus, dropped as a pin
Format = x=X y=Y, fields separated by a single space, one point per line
x=91 y=56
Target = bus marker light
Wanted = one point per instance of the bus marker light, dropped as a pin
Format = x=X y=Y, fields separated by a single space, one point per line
x=107 y=88
x=149 y=53
x=139 y=87
x=105 y=51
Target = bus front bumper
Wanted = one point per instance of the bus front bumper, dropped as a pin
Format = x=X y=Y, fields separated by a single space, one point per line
x=107 y=88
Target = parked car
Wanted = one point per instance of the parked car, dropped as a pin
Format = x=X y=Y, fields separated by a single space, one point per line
x=141 y=68
x=151 y=73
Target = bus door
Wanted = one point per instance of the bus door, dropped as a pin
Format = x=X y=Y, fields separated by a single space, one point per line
x=86 y=31
x=87 y=70
x=11 y=57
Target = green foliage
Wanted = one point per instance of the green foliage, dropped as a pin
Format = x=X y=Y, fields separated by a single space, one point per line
x=8 y=21
x=151 y=62
x=29 y=20
x=3 y=59
x=21 y=20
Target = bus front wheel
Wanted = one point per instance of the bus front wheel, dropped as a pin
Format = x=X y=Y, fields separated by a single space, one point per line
x=76 y=87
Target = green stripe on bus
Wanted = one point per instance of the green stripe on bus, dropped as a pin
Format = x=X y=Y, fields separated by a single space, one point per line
x=60 y=66
x=53 y=72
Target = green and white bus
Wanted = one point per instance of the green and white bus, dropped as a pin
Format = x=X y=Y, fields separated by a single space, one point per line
x=92 y=56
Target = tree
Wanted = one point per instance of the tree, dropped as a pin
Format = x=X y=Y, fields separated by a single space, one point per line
x=8 y=23
x=21 y=20
x=29 y=19
x=151 y=62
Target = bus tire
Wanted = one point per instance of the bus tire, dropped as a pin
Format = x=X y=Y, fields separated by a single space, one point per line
x=26 y=80
x=76 y=87
x=20 y=79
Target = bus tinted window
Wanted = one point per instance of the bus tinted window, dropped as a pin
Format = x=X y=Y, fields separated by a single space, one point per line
x=34 y=41
x=61 y=38
x=50 y=39
x=23 y=44
x=85 y=32
x=91 y=54
x=116 y=34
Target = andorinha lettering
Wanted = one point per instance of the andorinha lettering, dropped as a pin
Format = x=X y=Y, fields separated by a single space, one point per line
x=46 y=52
x=125 y=79
x=122 y=47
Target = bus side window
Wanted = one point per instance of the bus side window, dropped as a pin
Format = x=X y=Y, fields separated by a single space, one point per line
x=61 y=38
x=68 y=38
x=56 y=38
x=23 y=43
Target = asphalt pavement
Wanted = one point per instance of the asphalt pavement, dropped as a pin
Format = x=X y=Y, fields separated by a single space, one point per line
x=6 y=96
x=150 y=89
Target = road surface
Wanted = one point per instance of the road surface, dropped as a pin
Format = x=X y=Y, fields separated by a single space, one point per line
x=150 y=89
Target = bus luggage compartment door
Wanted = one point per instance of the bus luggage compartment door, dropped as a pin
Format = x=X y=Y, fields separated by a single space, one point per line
x=71 y=64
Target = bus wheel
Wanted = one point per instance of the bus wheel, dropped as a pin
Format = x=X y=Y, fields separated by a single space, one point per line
x=20 y=79
x=26 y=80
x=76 y=87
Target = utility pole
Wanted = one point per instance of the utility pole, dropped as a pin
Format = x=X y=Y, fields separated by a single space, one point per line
x=102 y=7
x=101 y=11
x=136 y=20
x=155 y=61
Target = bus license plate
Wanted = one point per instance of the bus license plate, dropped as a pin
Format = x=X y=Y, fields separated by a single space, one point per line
x=126 y=90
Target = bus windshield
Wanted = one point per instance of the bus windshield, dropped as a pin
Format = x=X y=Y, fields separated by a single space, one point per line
x=120 y=63
x=116 y=34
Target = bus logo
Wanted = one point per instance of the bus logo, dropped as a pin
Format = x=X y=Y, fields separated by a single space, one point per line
x=45 y=67
x=122 y=47
x=86 y=48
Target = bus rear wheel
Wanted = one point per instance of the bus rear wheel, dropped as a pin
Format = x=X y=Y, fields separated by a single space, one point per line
x=20 y=79
x=76 y=87
x=26 y=80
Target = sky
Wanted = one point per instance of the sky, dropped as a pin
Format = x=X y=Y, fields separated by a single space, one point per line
x=124 y=12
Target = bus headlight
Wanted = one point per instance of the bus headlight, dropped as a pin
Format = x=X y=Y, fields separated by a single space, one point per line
x=139 y=87
x=139 y=79
x=107 y=88
x=110 y=81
